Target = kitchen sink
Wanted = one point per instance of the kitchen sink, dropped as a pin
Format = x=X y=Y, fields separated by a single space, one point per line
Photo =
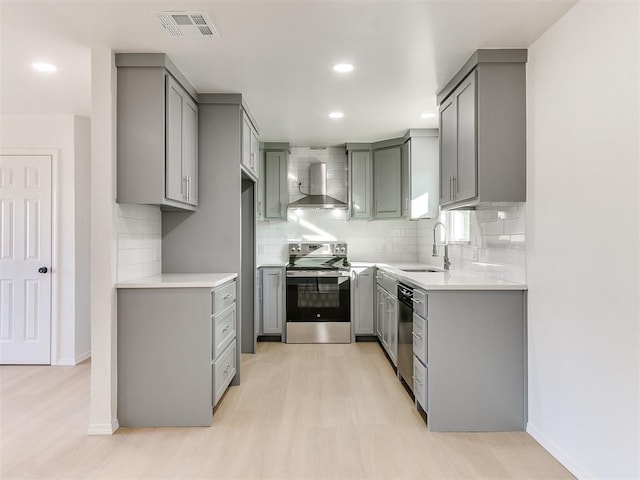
x=419 y=270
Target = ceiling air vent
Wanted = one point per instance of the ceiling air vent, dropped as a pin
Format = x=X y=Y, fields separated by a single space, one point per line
x=187 y=24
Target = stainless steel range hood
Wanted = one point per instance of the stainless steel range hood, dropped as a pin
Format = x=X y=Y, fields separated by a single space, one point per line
x=318 y=197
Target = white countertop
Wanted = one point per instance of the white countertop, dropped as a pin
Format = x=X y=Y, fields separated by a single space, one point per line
x=180 y=280
x=442 y=280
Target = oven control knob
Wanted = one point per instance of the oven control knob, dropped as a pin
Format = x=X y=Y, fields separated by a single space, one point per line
x=299 y=249
x=342 y=250
x=337 y=249
x=293 y=249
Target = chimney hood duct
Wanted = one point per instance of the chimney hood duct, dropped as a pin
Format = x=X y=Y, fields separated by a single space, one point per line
x=318 y=197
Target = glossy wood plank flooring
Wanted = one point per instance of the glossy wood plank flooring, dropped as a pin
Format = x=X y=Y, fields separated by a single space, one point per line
x=302 y=411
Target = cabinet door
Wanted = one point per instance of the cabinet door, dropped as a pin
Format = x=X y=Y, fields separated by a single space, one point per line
x=406 y=178
x=387 y=182
x=448 y=149
x=465 y=183
x=175 y=187
x=255 y=152
x=276 y=192
x=246 y=143
x=392 y=327
x=190 y=149
x=364 y=303
x=361 y=185
x=380 y=313
x=272 y=307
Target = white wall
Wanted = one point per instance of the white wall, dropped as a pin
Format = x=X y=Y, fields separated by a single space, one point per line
x=69 y=137
x=496 y=246
x=582 y=243
x=139 y=241
x=104 y=244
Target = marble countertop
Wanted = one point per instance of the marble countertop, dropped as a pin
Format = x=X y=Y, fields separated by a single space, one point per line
x=441 y=280
x=180 y=280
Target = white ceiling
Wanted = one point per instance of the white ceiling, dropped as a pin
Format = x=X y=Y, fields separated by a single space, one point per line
x=278 y=54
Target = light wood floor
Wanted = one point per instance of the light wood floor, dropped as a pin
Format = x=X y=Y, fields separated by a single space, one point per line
x=302 y=411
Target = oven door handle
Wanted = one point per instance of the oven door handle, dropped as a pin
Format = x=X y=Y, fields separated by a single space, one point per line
x=316 y=274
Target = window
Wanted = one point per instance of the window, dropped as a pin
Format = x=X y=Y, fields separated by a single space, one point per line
x=457 y=226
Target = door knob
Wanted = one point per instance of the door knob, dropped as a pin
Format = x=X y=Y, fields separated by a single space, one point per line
x=43 y=270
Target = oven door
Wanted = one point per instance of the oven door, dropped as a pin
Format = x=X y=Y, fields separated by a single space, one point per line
x=318 y=297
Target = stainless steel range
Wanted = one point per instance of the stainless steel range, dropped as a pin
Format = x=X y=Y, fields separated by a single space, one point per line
x=318 y=293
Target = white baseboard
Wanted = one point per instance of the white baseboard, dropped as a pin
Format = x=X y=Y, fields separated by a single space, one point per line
x=103 y=428
x=563 y=457
x=70 y=362
x=82 y=357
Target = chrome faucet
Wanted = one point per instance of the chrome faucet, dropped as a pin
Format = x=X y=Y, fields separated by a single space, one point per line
x=447 y=262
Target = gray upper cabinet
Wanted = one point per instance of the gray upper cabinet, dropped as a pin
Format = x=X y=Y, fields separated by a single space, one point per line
x=387 y=182
x=250 y=147
x=483 y=131
x=361 y=184
x=157 y=132
x=182 y=145
x=420 y=174
x=276 y=192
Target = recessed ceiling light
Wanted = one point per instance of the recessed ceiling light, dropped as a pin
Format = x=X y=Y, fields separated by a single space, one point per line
x=336 y=115
x=343 y=67
x=427 y=115
x=44 y=67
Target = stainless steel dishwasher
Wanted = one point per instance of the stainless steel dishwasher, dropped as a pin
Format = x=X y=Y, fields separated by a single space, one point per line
x=405 y=337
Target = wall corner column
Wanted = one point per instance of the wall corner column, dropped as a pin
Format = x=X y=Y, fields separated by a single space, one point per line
x=102 y=413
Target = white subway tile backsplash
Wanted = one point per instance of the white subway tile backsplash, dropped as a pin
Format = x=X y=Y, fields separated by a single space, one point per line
x=139 y=241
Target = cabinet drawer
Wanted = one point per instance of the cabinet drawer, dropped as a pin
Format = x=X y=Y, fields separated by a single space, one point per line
x=420 y=302
x=420 y=384
x=420 y=334
x=222 y=297
x=224 y=330
x=224 y=369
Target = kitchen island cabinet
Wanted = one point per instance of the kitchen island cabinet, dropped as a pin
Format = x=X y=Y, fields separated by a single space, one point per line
x=176 y=348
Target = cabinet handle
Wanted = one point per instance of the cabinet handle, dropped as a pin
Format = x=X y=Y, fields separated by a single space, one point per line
x=415 y=300
x=188 y=188
x=455 y=187
x=416 y=335
x=451 y=187
x=183 y=187
x=415 y=379
x=227 y=296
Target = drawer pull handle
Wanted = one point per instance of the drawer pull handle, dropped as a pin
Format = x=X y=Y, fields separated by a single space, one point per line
x=416 y=300
x=228 y=369
x=415 y=380
x=226 y=328
x=229 y=295
x=416 y=335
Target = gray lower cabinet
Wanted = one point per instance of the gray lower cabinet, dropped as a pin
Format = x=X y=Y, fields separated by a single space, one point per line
x=272 y=300
x=276 y=191
x=483 y=131
x=387 y=182
x=470 y=360
x=363 y=303
x=176 y=354
x=387 y=319
x=157 y=130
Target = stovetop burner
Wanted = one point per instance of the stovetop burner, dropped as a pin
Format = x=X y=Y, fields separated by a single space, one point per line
x=318 y=256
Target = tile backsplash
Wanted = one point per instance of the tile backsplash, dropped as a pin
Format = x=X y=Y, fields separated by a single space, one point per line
x=496 y=246
x=374 y=241
x=139 y=241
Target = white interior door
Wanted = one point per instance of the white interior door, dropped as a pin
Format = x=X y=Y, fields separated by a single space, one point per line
x=25 y=253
